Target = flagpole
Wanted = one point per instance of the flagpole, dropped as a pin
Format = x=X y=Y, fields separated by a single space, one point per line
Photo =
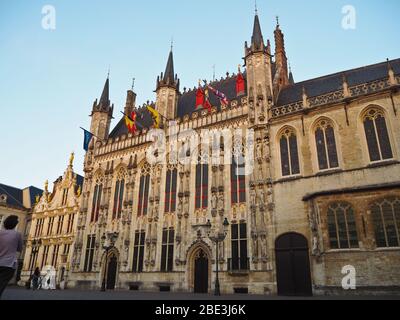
x=135 y=121
x=92 y=134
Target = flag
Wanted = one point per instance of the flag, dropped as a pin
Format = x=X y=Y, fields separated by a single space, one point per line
x=155 y=115
x=131 y=122
x=207 y=104
x=222 y=97
x=87 y=137
x=240 y=84
x=199 y=97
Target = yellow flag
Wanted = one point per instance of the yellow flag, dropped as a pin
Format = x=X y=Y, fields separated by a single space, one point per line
x=155 y=115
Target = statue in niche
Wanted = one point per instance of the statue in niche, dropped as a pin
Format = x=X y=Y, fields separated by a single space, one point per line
x=214 y=201
x=221 y=202
x=259 y=151
x=255 y=246
x=253 y=197
x=261 y=198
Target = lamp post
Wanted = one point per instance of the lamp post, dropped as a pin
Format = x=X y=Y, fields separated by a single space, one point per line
x=112 y=238
x=217 y=237
x=35 y=248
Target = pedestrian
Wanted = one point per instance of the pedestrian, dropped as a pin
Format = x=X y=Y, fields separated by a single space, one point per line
x=10 y=244
x=35 y=279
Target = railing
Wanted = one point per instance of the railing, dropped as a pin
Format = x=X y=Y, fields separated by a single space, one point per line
x=238 y=264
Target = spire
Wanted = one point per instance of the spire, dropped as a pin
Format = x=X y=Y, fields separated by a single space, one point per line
x=169 y=69
x=104 y=100
x=257 y=41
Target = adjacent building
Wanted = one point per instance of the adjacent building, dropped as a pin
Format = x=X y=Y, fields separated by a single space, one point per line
x=53 y=227
x=321 y=193
x=18 y=202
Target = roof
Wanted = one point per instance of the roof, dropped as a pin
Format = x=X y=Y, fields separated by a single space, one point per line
x=334 y=82
x=15 y=195
x=186 y=105
x=33 y=192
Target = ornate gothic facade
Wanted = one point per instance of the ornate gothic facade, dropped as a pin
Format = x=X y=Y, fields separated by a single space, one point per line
x=324 y=191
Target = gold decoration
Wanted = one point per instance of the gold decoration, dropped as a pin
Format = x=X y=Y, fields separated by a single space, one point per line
x=71 y=158
x=78 y=193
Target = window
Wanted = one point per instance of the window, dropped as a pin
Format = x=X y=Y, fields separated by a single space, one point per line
x=138 y=251
x=289 y=153
x=60 y=224
x=54 y=259
x=342 y=226
x=167 y=250
x=66 y=249
x=65 y=197
x=70 y=223
x=96 y=203
x=90 y=245
x=239 y=260
x=144 y=191
x=118 y=198
x=201 y=194
x=238 y=181
x=170 y=190
x=50 y=226
x=377 y=136
x=326 y=146
x=386 y=219
x=45 y=256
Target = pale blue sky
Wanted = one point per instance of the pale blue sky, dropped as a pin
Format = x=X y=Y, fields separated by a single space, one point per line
x=49 y=79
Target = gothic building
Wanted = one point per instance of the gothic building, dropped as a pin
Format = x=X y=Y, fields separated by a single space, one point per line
x=323 y=191
x=53 y=227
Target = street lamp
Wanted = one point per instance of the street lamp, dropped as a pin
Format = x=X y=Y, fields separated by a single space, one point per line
x=217 y=237
x=35 y=248
x=112 y=238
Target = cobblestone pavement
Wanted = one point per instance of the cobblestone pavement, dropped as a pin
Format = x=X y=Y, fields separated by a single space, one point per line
x=20 y=293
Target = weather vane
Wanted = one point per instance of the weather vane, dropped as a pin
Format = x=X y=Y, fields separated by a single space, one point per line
x=133 y=83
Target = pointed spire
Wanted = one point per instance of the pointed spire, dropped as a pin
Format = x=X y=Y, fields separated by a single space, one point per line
x=169 y=69
x=257 y=40
x=104 y=100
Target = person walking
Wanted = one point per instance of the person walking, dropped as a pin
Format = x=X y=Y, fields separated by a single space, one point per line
x=36 y=279
x=10 y=244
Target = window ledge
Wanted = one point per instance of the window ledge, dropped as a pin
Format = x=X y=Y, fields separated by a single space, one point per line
x=290 y=178
x=328 y=172
x=344 y=250
x=382 y=163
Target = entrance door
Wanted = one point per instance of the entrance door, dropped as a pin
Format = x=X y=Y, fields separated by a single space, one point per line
x=201 y=273
x=111 y=272
x=293 y=265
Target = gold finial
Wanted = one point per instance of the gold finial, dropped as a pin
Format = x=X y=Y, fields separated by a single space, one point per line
x=46 y=186
x=37 y=198
x=78 y=193
x=71 y=158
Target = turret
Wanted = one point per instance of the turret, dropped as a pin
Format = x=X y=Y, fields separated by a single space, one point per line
x=281 y=63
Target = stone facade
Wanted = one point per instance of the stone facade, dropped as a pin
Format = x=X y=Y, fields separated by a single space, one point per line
x=53 y=227
x=275 y=203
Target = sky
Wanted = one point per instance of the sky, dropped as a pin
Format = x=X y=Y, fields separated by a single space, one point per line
x=49 y=78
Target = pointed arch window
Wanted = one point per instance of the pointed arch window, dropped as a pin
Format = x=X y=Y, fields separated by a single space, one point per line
x=386 y=219
x=170 y=189
x=144 y=187
x=238 y=177
x=201 y=194
x=119 y=195
x=342 y=226
x=377 y=135
x=326 y=145
x=96 y=201
x=289 y=153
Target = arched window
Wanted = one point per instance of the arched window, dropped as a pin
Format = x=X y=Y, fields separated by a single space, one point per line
x=289 y=153
x=144 y=190
x=326 y=145
x=377 y=135
x=119 y=195
x=170 y=189
x=238 y=175
x=386 y=219
x=342 y=226
x=201 y=201
x=96 y=202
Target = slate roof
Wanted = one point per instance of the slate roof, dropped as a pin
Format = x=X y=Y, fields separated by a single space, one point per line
x=186 y=105
x=15 y=195
x=334 y=82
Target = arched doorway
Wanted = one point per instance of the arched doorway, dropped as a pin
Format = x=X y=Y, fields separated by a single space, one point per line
x=201 y=272
x=293 y=265
x=111 y=271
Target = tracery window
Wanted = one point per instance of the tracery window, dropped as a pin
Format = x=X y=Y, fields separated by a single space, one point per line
x=170 y=189
x=144 y=186
x=289 y=153
x=238 y=175
x=201 y=194
x=138 y=251
x=342 y=226
x=386 y=219
x=119 y=195
x=239 y=260
x=377 y=136
x=96 y=202
x=326 y=145
x=167 y=249
x=90 y=246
